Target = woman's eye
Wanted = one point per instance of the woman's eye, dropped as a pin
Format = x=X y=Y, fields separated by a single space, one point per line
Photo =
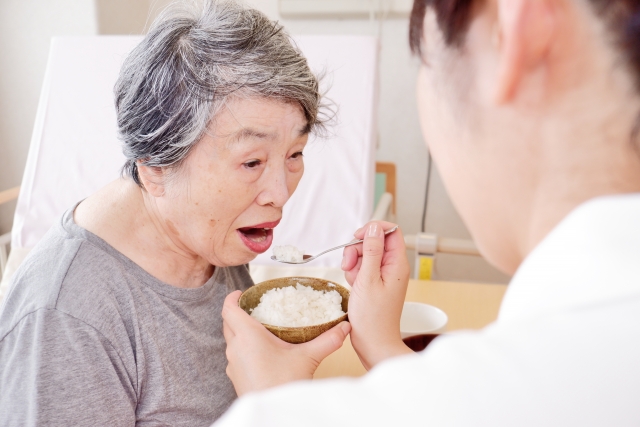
x=297 y=155
x=252 y=164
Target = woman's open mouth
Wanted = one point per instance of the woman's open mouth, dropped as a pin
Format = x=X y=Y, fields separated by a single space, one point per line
x=258 y=238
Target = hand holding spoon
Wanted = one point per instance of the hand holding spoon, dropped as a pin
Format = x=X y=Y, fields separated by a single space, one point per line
x=307 y=258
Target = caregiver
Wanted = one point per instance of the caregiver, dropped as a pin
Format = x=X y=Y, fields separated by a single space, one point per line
x=114 y=318
x=531 y=110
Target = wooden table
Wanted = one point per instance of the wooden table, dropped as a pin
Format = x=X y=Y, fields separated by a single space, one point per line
x=468 y=305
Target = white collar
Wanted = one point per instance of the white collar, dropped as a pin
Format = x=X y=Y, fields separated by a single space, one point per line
x=591 y=257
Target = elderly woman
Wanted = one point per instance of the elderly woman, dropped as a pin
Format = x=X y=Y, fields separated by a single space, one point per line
x=530 y=108
x=114 y=320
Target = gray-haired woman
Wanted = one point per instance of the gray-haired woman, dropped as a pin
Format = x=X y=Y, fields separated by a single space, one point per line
x=115 y=317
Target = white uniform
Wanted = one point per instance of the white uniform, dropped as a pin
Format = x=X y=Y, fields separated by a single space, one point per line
x=565 y=350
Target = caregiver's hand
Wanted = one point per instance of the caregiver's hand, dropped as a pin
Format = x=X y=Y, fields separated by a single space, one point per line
x=378 y=271
x=259 y=360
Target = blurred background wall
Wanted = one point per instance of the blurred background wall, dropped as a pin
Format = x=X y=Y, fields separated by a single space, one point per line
x=26 y=27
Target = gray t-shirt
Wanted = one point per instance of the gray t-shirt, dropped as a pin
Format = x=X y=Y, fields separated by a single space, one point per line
x=88 y=338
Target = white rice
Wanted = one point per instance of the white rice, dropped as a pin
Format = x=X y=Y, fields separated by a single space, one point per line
x=298 y=306
x=287 y=253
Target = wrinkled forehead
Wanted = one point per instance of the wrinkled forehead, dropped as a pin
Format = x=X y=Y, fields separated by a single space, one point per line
x=258 y=119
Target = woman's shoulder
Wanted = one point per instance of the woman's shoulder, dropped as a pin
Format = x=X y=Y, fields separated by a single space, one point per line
x=64 y=273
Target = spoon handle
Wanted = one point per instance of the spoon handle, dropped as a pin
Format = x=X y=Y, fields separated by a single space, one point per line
x=355 y=242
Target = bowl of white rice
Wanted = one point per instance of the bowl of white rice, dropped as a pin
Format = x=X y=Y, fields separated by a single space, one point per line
x=296 y=309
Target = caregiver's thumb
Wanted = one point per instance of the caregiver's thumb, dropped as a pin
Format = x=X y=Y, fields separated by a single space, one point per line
x=327 y=343
x=372 y=251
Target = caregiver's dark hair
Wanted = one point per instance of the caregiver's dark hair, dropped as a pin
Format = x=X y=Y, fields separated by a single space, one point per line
x=195 y=56
x=622 y=17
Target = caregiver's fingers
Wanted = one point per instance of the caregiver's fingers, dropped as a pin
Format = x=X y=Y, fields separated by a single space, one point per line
x=227 y=332
x=352 y=274
x=359 y=234
x=328 y=342
x=233 y=316
x=393 y=243
x=232 y=298
x=349 y=258
x=395 y=251
x=373 y=250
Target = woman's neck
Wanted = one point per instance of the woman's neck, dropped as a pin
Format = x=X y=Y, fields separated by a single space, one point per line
x=590 y=166
x=129 y=220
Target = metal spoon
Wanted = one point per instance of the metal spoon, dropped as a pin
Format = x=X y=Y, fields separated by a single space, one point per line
x=307 y=258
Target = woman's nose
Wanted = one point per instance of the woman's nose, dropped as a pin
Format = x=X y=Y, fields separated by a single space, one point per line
x=276 y=191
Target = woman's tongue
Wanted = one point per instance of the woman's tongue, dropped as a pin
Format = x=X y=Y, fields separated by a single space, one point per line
x=257 y=240
x=255 y=234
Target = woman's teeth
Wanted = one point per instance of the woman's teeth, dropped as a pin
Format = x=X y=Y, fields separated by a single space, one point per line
x=256 y=234
x=258 y=237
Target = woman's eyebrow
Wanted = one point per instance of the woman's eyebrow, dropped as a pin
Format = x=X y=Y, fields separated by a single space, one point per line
x=249 y=133
x=306 y=130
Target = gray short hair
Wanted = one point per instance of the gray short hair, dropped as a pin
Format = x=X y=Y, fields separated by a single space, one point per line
x=193 y=58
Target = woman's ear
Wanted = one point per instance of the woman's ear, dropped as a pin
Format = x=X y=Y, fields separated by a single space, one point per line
x=152 y=178
x=525 y=32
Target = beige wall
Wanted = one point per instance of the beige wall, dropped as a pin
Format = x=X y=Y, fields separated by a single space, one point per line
x=127 y=16
x=121 y=16
x=400 y=140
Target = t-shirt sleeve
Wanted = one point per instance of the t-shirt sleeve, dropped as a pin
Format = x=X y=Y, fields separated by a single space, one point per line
x=56 y=370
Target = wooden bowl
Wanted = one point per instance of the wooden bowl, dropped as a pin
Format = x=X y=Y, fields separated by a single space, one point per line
x=251 y=298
